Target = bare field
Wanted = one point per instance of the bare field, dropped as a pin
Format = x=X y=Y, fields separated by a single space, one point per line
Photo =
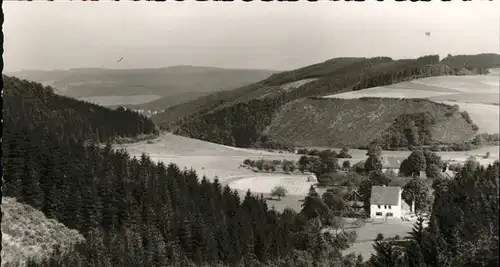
x=212 y=160
x=294 y=184
x=367 y=234
x=387 y=92
x=474 y=94
x=484 y=115
x=206 y=158
x=120 y=99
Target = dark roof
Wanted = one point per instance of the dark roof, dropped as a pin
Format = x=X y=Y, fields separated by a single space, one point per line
x=385 y=195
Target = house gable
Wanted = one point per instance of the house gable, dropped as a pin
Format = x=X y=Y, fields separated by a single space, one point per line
x=385 y=195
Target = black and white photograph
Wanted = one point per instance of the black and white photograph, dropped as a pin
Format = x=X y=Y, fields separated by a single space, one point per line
x=250 y=133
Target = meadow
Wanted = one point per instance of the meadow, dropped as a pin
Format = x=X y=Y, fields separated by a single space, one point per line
x=212 y=160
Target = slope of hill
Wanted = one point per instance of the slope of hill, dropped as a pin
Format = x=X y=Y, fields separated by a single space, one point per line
x=332 y=76
x=478 y=95
x=134 y=212
x=357 y=122
x=28 y=234
x=29 y=103
x=239 y=117
x=92 y=82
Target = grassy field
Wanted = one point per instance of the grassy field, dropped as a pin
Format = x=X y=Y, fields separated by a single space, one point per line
x=27 y=233
x=206 y=158
x=478 y=95
x=295 y=184
x=224 y=161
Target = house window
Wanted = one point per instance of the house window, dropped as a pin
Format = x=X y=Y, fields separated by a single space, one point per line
x=389 y=206
x=385 y=207
x=378 y=213
x=378 y=206
x=389 y=214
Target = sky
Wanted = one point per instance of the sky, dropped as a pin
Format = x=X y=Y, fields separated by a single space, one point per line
x=274 y=35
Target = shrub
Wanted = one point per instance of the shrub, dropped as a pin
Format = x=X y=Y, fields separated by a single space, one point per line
x=314 y=152
x=302 y=151
x=346 y=165
x=344 y=153
x=475 y=128
x=359 y=167
x=279 y=191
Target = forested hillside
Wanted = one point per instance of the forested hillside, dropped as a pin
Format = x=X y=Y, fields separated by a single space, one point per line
x=239 y=117
x=134 y=212
x=395 y=123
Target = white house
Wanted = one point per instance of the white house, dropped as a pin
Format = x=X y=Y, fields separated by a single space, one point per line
x=386 y=201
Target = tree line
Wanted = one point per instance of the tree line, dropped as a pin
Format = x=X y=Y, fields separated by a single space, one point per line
x=133 y=211
x=242 y=124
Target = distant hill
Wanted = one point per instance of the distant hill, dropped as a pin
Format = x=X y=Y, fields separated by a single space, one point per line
x=242 y=116
x=473 y=62
x=166 y=101
x=132 y=212
x=168 y=81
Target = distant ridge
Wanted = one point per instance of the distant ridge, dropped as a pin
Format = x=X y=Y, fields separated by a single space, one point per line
x=250 y=115
x=165 y=81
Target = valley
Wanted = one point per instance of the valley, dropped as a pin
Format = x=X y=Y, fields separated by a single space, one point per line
x=134 y=87
x=169 y=183
x=315 y=106
x=213 y=160
x=250 y=134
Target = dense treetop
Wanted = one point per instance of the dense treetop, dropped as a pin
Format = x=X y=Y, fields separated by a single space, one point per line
x=135 y=212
